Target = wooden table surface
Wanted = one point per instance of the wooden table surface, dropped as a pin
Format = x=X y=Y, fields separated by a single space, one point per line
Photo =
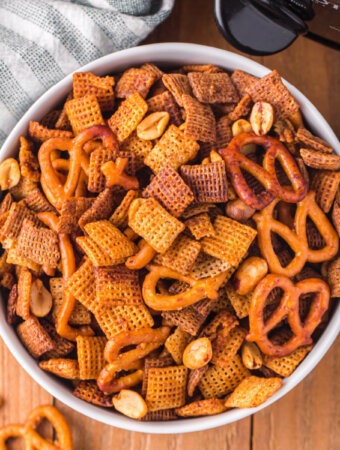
x=306 y=418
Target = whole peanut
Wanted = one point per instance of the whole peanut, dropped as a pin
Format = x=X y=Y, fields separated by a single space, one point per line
x=250 y=272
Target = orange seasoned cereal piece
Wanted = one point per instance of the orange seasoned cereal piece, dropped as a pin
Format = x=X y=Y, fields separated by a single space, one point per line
x=15 y=219
x=231 y=242
x=166 y=387
x=86 y=83
x=95 y=253
x=223 y=132
x=252 y=392
x=242 y=81
x=90 y=351
x=319 y=160
x=24 y=294
x=153 y=223
x=40 y=245
x=240 y=303
x=119 y=217
x=284 y=366
x=163 y=361
x=23 y=188
x=118 y=285
x=6 y=203
x=200 y=226
x=114 y=319
x=135 y=80
x=34 y=337
x=37 y=202
x=219 y=381
x=226 y=347
x=128 y=115
x=173 y=148
x=213 y=87
x=111 y=240
x=39 y=133
x=188 y=319
x=207 y=407
x=206 y=68
x=62 y=347
x=333 y=277
x=178 y=84
x=102 y=206
x=71 y=211
x=325 y=183
x=137 y=146
x=166 y=102
x=100 y=156
x=208 y=182
x=80 y=315
x=242 y=109
x=82 y=285
x=149 y=67
x=84 y=112
x=181 y=256
x=307 y=138
x=62 y=367
x=29 y=165
x=208 y=266
x=271 y=89
x=200 y=123
x=170 y=190
x=90 y=392
x=176 y=343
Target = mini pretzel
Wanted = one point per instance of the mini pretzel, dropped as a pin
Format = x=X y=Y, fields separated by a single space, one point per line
x=266 y=175
x=200 y=289
x=146 y=339
x=115 y=175
x=54 y=189
x=297 y=240
x=69 y=266
x=32 y=439
x=142 y=258
x=288 y=307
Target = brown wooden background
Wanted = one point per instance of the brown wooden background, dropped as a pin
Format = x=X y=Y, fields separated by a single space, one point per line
x=305 y=419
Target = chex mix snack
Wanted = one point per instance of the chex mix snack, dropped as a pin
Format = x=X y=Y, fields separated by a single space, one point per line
x=170 y=240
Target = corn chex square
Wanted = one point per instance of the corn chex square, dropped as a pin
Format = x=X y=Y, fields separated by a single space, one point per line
x=135 y=80
x=90 y=351
x=85 y=83
x=252 y=392
x=231 y=242
x=213 y=87
x=82 y=285
x=83 y=113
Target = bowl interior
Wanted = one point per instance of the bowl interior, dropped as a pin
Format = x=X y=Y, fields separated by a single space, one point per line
x=164 y=54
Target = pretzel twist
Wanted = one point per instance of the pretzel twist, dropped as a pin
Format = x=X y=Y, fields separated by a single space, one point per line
x=146 y=339
x=32 y=439
x=266 y=174
x=288 y=307
x=200 y=289
x=296 y=238
x=68 y=267
x=55 y=190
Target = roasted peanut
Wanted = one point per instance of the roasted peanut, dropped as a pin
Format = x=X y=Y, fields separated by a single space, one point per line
x=238 y=210
x=9 y=174
x=243 y=126
x=261 y=118
x=153 y=126
x=250 y=272
x=130 y=403
x=40 y=299
x=251 y=356
x=198 y=353
x=214 y=156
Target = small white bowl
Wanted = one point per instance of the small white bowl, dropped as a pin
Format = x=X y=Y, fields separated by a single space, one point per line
x=164 y=54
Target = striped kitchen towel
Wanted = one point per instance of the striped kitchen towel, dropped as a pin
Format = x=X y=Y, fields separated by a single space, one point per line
x=41 y=41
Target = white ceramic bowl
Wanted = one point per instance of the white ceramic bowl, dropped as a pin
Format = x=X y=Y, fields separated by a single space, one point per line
x=164 y=54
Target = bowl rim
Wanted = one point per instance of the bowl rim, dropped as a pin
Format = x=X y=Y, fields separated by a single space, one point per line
x=171 y=53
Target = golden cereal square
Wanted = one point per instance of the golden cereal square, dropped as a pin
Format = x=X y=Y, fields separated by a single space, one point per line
x=38 y=133
x=200 y=226
x=34 y=337
x=90 y=392
x=96 y=182
x=219 y=381
x=181 y=256
x=119 y=217
x=212 y=87
x=82 y=285
x=178 y=84
x=207 y=407
x=37 y=202
x=95 y=253
x=166 y=102
x=83 y=113
x=200 y=123
x=118 y=285
x=284 y=366
x=325 y=183
x=240 y=303
x=62 y=367
x=163 y=361
x=135 y=80
x=111 y=240
x=128 y=115
x=252 y=392
x=85 y=83
x=152 y=222
x=114 y=319
x=176 y=343
x=170 y=190
x=208 y=266
x=166 y=387
x=90 y=351
x=226 y=347
x=173 y=148
x=231 y=242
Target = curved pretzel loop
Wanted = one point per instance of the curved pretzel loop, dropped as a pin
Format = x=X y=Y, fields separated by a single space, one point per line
x=32 y=439
x=297 y=238
x=146 y=339
x=115 y=175
x=200 y=289
x=55 y=190
x=288 y=307
x=266 y=174
x=142 y=258
x=68 y=268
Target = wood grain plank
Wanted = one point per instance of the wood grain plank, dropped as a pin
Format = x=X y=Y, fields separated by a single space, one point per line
x=307 y=418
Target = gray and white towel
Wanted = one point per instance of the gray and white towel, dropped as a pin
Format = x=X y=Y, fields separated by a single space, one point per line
x=41 y=41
